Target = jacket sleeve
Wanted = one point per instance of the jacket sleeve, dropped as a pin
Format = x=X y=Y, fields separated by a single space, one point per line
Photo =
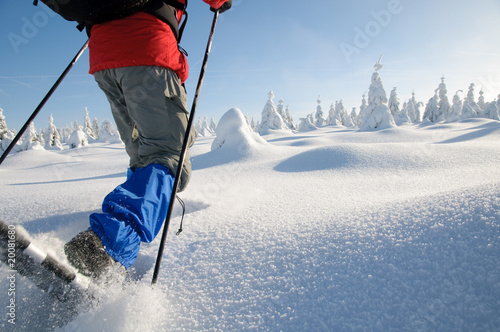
x=215 y=3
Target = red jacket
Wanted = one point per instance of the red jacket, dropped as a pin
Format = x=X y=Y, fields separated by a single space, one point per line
x=138 y=40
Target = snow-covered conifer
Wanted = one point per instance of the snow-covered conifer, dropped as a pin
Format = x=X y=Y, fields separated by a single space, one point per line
x=205 y=128
x=354 y=116
x=362 y=111
x=88 y=129
x=432 y=108
x=471 y=109
x=253 y=125
x=213 y=125
x=289 y=118
x=4 y=132
x=411 y=108
x=3 y=124
x=340 y=115
x=444 y=103
x=378 y=115
x=65 y=133
x=455 y=113
x=282 y=112
x=394 y=102
x=108 y=133
x=306 y=124
x=480 y=101
x=334 y=118
x=197 y=126
x=95 y=126
x=319 y=120
x=30 y=139
x=491 y=111
x=78 y=139
x=418 y=107
x=52 y=140
x=402 y=117
x=271 y=119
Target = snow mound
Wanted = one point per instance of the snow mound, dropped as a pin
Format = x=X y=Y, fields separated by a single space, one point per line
x=354 y=156
x=234 y=134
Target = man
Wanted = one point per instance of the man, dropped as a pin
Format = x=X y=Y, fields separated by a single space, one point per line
x=137 y=63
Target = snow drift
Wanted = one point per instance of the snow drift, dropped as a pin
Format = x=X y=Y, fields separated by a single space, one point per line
x=235 y=135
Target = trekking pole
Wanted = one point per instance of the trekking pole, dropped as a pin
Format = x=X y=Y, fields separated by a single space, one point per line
x=42 y=103
x=184 y=150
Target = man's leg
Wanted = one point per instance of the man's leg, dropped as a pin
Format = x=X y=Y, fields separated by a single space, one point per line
x=148 y=104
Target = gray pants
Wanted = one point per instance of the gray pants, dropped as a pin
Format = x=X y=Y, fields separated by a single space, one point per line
x=149 y=107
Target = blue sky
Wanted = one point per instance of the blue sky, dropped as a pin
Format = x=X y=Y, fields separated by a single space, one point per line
x=297 y=49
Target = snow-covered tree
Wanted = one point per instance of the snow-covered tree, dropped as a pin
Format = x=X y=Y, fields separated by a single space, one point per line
x=468 y=111
x=289 y=118
x=394 y=102
x=271 y=119
x=354 y=115
x=78 y=139
x=52 y=140
x=490 y=111
x=378 y=114
x=30 y=139
x=108 y=133
x=253 y=125
x=306 y=124
x=284 y=112
x=197 y=127
x=402 y=117
x=480 y=102
x=213 y=125
x=338 y=115
x=438 y=107
x=205 y=128
x=471 y=109
x=334 y=117
x=444 y=103
x=455 y=113
x=3 y=124
x=66 y=133
x=432 y=108
x=88 y=129
x=41 y=137
x=6 y=136
x=412 y=109
x=362 y=111
x=95 y=127
x=318 y=116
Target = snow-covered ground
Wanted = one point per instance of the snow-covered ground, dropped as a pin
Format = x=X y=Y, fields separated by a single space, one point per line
x=329 y=230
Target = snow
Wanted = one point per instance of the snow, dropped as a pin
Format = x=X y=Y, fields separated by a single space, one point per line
x=235 y=134
x=332 y=229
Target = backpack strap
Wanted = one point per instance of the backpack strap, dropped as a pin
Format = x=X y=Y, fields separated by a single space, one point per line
x=166 y=10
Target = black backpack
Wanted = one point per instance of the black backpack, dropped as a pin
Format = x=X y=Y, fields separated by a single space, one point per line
x=90 y=12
